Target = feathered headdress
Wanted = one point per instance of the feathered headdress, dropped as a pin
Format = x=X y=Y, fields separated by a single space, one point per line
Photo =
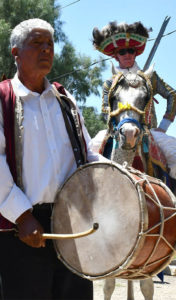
x=115 y=36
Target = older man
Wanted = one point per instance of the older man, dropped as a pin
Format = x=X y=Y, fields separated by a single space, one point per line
x=36 y=157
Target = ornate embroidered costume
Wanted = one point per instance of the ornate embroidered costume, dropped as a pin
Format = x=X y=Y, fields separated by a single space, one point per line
x=114 y=37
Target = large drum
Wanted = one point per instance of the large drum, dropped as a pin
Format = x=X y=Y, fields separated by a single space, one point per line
x=136 y=216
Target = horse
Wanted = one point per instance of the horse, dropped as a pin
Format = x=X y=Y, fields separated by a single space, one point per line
x=131 y=110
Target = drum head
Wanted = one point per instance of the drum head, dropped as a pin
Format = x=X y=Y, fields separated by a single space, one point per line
x=97 y=193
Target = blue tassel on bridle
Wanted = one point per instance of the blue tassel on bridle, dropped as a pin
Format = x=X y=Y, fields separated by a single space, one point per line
x=126 y=120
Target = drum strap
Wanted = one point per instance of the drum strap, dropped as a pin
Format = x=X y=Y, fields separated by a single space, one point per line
x=71 y=129
x=74 y=142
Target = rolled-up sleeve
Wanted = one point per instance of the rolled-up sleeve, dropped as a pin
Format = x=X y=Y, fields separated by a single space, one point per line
x=13 y=202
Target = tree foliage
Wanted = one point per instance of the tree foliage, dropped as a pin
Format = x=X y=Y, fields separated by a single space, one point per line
x=82 y=82
x=77 y=75
x=94 y=122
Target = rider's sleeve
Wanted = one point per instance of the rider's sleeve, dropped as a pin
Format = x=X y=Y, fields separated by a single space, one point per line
x=106 y=87
x=167 y=92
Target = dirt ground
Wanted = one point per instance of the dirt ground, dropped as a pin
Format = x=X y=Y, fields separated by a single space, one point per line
x=162 y=291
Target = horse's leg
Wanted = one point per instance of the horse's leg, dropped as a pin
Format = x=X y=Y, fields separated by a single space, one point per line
x=130 y=290
x=147 y=288
x=108 y=289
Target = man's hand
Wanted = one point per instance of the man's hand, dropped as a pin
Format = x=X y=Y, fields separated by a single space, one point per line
x=29 y=230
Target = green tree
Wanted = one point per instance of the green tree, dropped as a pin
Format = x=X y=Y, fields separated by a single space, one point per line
x=93 y=121
x=77 y=75
x=82 y=82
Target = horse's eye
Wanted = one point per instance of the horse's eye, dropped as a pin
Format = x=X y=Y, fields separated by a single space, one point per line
x=121 y=130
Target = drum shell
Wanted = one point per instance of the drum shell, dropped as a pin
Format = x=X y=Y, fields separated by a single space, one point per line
x=157 y=250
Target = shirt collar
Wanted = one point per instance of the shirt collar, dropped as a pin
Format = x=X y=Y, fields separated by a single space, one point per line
x=133 y=69
x=23 y=91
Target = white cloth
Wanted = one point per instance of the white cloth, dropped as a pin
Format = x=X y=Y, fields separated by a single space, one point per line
x=97 y=140
x=133 y=69
x=48 y=158
x=168 y=146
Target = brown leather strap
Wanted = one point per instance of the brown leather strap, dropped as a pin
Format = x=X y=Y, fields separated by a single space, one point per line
x=71 y=132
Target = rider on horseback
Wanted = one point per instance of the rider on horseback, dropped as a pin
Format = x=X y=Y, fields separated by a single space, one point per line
x=124 y=42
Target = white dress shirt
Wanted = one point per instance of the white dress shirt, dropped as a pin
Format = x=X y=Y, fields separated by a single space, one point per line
x=48 y=158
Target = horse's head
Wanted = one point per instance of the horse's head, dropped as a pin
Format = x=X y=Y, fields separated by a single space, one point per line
x=128 y=99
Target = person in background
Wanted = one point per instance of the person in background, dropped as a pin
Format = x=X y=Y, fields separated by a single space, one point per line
x=124 y=43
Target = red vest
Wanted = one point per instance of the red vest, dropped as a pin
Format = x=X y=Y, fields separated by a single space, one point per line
x=8 y=98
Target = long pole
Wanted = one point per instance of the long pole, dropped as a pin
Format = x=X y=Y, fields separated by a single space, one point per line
x=156 y=44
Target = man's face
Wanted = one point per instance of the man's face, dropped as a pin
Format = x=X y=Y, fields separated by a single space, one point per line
x=126 y=57
x=36 y=54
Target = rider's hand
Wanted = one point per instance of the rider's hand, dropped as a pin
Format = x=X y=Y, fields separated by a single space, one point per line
x=29 y=230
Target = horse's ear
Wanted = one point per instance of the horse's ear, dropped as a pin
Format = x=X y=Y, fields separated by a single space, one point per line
x=149 y=71
x=113 y=69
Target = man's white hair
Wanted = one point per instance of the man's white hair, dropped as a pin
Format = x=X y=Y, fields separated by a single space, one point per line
x=22 y=30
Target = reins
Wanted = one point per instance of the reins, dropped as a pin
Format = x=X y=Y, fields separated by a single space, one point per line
x=124 y=107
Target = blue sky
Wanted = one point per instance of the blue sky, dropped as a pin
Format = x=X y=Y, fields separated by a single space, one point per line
x=80 y=19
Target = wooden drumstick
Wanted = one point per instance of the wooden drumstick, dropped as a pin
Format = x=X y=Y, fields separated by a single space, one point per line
x=55 y=236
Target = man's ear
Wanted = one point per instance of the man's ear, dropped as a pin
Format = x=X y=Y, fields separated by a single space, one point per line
x=14 y=51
